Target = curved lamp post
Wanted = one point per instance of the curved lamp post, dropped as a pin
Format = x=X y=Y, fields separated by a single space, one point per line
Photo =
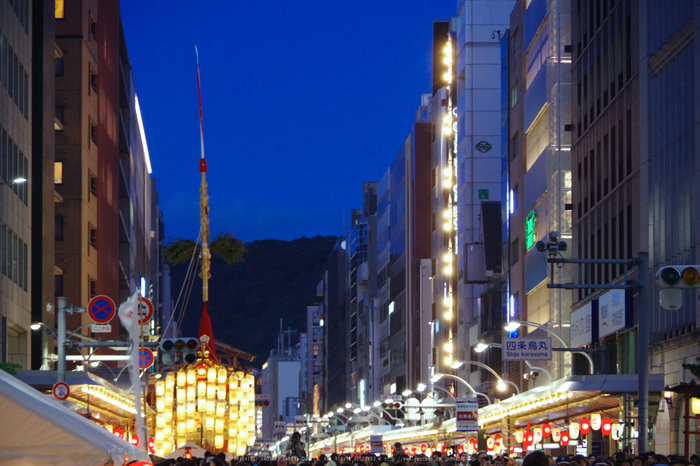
x=481 y=347
x=438 y=376
x=515 y=324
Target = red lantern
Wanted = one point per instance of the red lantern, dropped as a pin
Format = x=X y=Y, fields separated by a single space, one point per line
x=444 y=448
x=151 y=445
x=512 y=450
x=606 y=426
x=490 y=443
x=423 y=448
x=460 y=450
x=405 y=451
x=529 y=438
x=118 y=432
x=385 y=445
x=433 y=448
x=201 y=371
x=565 y=438
x=135 y=440
x=546 y=430
x=498 y=441
x=585 y=426
x=362 y=448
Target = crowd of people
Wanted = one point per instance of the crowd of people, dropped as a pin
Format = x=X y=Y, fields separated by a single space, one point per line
x=295 y=455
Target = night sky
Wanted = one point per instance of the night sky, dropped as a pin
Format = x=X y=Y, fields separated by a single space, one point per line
x=303 y=101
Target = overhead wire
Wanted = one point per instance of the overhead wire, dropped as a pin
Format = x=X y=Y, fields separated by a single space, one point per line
x=184 y=285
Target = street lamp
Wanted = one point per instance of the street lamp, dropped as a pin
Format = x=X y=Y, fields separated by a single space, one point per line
x=515 y=324
x=438 y=376
x=501 y=384
x=18 y=180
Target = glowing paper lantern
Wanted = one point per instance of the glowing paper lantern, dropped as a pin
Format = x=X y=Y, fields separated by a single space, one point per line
x=537 y=434
x=191 y=376
x=585 y=426
x=546 y=430
x=529 y=437
x=596 y=421
x=518 y=434
x=615 y=431
x=499 y=442
x=490 y=443
x=423 y=448
x=160 y=388
x=606 y=426
x=695 y=405
x=222 y=375
x=565 y=438
x=170 y=381
x=574 y=430
x=556 y=434
x=181 y=378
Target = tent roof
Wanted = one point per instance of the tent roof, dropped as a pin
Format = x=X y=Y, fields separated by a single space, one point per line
x=196 y=450
x=38 y=429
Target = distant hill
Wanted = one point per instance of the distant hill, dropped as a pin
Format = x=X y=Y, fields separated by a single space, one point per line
x=277 y=279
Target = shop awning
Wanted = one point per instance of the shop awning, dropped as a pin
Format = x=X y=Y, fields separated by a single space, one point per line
x=569 y=396
x=37 y=429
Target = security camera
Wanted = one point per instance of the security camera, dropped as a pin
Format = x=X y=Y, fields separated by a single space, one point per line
x=554 y=236
x=540 y=246
x=534 y=374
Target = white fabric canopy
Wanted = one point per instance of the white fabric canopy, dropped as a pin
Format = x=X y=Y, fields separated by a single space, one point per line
x=196 y=450
x=37 y=429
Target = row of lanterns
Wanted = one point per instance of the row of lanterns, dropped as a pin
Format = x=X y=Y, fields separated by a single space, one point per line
x=576 y=429
x=205 y=403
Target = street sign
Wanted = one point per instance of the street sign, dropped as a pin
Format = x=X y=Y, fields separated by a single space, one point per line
x=376 y=444
x=527 y=349
x=101 y=309
x=467 y=415
x=96 y=328
x=145 y=358
x=394 y=397
x=145 y=310
x=262 y=397
x=61 y=390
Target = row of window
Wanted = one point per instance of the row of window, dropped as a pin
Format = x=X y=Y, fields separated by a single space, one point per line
x=59 y=231
x=13 y=165
x=13 y=76
x=58 y=286
x=21 y=8
x=14 y=257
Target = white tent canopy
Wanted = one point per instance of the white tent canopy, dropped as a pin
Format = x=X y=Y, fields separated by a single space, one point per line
x=37 y=429
x=189 y=447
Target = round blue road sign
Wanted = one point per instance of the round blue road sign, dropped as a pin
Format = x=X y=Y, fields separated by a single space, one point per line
x=101 y=309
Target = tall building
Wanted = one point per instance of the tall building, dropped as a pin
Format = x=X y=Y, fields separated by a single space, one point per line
x=19 y=52
x=102 y=167
x=635 y=162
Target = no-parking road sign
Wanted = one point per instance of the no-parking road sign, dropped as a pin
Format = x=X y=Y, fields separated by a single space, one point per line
x=101 y=309
x=145 y=358
x=145 y=310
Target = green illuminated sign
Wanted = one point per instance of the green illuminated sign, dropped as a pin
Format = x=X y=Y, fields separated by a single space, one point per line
x=530 y=230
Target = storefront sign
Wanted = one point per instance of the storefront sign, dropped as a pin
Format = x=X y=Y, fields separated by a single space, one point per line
x=527 y=349
x=613 y=312
x=584 y=324
x=468 y=415
x=376 y=444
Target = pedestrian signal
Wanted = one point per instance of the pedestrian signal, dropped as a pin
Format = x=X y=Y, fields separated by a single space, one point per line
x=170 y=348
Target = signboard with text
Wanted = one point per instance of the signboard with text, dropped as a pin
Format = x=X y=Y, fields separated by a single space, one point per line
x=467 y=415
x=376 y=444
x=527 y=349
x=614 y=312
x=584 y=324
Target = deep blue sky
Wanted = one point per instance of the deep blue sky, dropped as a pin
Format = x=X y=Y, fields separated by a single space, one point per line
x=303 y=101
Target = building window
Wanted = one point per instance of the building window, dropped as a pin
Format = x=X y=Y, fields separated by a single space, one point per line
x=60 y=62
x=59 y=118
x=92 y=77
x=93 y=184
x=514 y=95
x=58 y=285
x=515 y=251
x=92 y=287
x=92 y=234
x=92 y=131
x=59 y=224
x=515 y=146
x=93 y=27
x=59 y=9
x=58 y=172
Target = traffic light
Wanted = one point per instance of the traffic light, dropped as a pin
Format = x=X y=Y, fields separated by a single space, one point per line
x=393 y=405
x=171 y=347
x=679 y=276
x=262 y=403
x=672 y=279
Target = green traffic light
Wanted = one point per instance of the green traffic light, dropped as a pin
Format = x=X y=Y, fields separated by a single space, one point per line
x=670 y=276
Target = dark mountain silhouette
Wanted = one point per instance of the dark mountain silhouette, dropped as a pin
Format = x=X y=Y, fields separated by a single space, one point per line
x=276 y=280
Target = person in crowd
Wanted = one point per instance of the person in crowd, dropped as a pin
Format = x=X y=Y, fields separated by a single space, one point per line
x=639 y=461
x=435 y=458
x=536 y=458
